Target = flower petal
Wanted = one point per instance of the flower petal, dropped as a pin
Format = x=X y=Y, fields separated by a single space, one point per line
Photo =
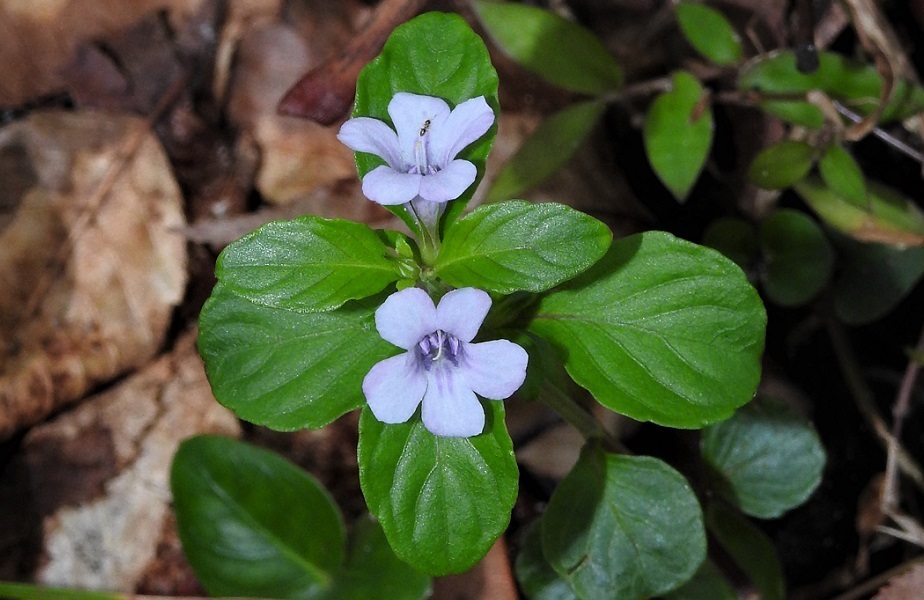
x=450 y=408
x=406 y=317
x=466 y=123
x=494 y=370
x=409 y=113
x=363 y=134
x=449 y=183
x=386 y=186
x=394 y=388
x=461 y=312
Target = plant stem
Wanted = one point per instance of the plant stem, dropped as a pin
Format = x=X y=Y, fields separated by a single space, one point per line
x=581 y=419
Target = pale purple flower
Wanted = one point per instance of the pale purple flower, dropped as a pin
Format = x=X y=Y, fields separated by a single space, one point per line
x=420 y=153
x=442 y=369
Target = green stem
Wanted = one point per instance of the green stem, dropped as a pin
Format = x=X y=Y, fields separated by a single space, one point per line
x=578 y=417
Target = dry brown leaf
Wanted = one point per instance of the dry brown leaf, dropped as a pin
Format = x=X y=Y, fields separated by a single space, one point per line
x=906 y=586
x=91 y=259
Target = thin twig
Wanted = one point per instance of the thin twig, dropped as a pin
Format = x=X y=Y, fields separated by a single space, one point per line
x=882 y=135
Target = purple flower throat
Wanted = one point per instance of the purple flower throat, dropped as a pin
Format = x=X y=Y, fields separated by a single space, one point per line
x=438 y=346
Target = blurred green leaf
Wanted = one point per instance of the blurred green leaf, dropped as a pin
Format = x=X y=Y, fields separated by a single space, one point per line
x=781 y=165
x=626 y=527
x=678 y=134
x=750 y=548
x=735 y=239
x=559 y=51
x=766 y=459
x=888 y=217
x=856 y=86
x=842 y=175
x=707 y=584
x=709 y=32
x=537 y=577
x=799 y=259
x=533 y=163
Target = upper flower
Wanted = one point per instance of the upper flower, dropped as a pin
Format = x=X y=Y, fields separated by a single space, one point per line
x=441 y=369
x=421 y=156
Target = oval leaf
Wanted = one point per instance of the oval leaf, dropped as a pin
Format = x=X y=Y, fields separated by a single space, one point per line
x=842 y=174
x=750 y=548
x=626 y=527
x=252 y=523
x=887 y=218
x=707 y=584
x=436 y=54
x=559 y=51
x=284 y=369
x=678 y=134
x=734 y=238
x=536 y=576
x=516 y=245
x=709 y=32
x=767 y=459
x=565 y=131
x=441 y=501
x=307 y=264
x=781 y=165
x=857 y=86
x=799 y=259
x=659 y=330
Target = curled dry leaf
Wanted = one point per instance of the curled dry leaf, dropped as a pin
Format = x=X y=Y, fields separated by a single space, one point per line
x=91 y=259
x=87 y=496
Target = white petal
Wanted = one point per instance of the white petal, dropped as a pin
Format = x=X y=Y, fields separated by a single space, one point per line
x=409 y=113
x=466 y=123
x=386 y=186
x=394 y=388
x=449 y=183
x=406 y=317
x=450 y=408
x=373 y=136
x=461 y=312
x=494 y=370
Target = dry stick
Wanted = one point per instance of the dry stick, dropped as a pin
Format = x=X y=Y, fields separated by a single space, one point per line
x=882 y=135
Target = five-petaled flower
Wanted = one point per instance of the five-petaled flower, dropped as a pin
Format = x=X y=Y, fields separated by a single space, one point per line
x=420 y=153
x=442 y=369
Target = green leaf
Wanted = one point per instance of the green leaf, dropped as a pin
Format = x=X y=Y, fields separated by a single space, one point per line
x=623 y=527
x=678 y=134
x=873 y=278
x=564 y=131
x=659 y=330
x=799 y=259
x=856 y=86
x=284 y=369
x=435 y=54
x=734 y=238
x=559 y=51
x=888 y=217
x=842 y=175
x=307 y=264
x=441 y=501
x=707 y=584
x=253 y=524
x=750 y=548
x=373 y=571
x=536 y=576
x=709 y=32
x=767 y=459
x=782 y=164
x=516 y=246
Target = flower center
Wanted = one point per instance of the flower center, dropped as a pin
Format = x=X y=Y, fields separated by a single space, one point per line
x=423 y=166
x=439 y=346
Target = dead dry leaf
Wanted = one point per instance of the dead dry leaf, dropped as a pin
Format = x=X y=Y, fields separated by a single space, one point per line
x=906 y=586
x=91 y=259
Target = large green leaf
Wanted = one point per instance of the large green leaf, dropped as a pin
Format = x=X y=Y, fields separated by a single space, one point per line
x=516 y=246
x=709 y=32
x=782 y=164
x=660 y=330
x=799 y=259
x=533 y=163
x=536 y=576
x=307 y=264
x=678 y=134
x=623 y=527
x=435 y=54
x=765 y=459
x=441 y=501
x=750 y=548
x=707 y=584
x=285 y=369
x=857 y=86
x=251 y=523
x=556 y=49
